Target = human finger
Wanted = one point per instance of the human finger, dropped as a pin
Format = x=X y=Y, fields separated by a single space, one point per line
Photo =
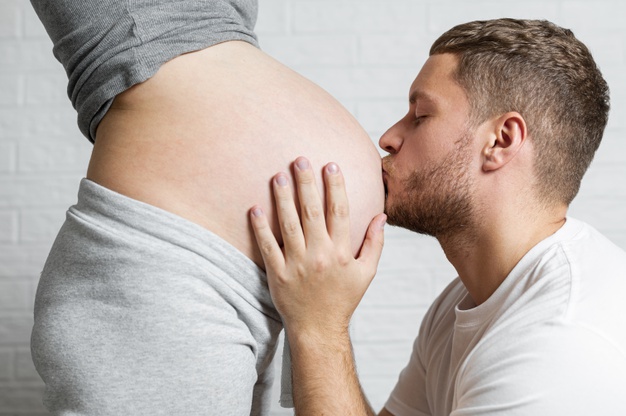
x=373 y=245
x=288 y=219
x=337 y=208
x=270 y=250
x=311 y=208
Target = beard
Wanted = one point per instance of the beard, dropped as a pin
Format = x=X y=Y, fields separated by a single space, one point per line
x=436 y=200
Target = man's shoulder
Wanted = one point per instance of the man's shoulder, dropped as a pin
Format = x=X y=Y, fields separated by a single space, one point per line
x=584 y=243
x=587 y=267
x=576 y=262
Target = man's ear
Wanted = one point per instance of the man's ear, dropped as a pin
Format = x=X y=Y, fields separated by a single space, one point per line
x=508 y=134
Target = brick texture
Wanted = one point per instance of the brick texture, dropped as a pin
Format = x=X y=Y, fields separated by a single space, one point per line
x=364 y=52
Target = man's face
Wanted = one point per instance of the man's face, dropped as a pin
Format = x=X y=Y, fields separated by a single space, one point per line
x=428 y=173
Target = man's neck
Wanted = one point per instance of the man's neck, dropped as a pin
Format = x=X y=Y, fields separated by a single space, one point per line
x=485 y=255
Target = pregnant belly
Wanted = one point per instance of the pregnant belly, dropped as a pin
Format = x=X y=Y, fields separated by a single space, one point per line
x=203 y=138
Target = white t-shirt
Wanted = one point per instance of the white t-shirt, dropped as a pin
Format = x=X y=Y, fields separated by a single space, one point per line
x=550 y=341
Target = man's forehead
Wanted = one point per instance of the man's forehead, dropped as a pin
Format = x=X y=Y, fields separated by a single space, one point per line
x=435 y=81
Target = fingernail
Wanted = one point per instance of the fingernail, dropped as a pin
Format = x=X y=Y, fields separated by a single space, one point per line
x=302 y=163
x=383 y=222
x=257 y=212
x=332 y=168
x=281 y=180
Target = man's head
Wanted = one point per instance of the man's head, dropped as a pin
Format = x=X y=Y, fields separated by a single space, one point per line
x=527 y=80
x=544 y=73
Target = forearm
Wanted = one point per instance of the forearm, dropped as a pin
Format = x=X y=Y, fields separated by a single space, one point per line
x=324 y=376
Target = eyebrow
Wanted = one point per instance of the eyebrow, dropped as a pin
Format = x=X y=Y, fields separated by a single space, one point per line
x=417 y=95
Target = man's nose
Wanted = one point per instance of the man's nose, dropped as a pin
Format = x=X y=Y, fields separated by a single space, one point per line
x=391 y=140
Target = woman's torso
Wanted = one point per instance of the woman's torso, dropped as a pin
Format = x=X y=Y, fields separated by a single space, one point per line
x=204 y=136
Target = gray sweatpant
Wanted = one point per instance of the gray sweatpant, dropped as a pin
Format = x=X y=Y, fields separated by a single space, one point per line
x=141 y=312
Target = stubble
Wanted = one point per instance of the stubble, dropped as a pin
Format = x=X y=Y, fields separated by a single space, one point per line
x=436 y=201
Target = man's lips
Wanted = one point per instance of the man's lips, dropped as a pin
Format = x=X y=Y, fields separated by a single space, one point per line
x=386 y=168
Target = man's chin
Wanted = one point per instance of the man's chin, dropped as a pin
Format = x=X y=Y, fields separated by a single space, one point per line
x=395 y=215
x=403 y=218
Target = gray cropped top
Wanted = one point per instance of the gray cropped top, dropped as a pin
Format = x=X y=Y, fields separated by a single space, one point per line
x=107 y=46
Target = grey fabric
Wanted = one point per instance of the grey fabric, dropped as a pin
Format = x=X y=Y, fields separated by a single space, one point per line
x=286 y=379
x=141 y=312
x=107 y=46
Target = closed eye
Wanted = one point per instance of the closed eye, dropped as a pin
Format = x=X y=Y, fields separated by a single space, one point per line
x=418 y=120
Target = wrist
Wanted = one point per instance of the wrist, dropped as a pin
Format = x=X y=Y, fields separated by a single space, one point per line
x=318 y=343
x=317 y=335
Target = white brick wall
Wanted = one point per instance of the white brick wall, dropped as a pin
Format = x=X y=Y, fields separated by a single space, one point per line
x=364 y=52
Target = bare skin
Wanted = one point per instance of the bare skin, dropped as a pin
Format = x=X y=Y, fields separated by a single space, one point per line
x=204 y=136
